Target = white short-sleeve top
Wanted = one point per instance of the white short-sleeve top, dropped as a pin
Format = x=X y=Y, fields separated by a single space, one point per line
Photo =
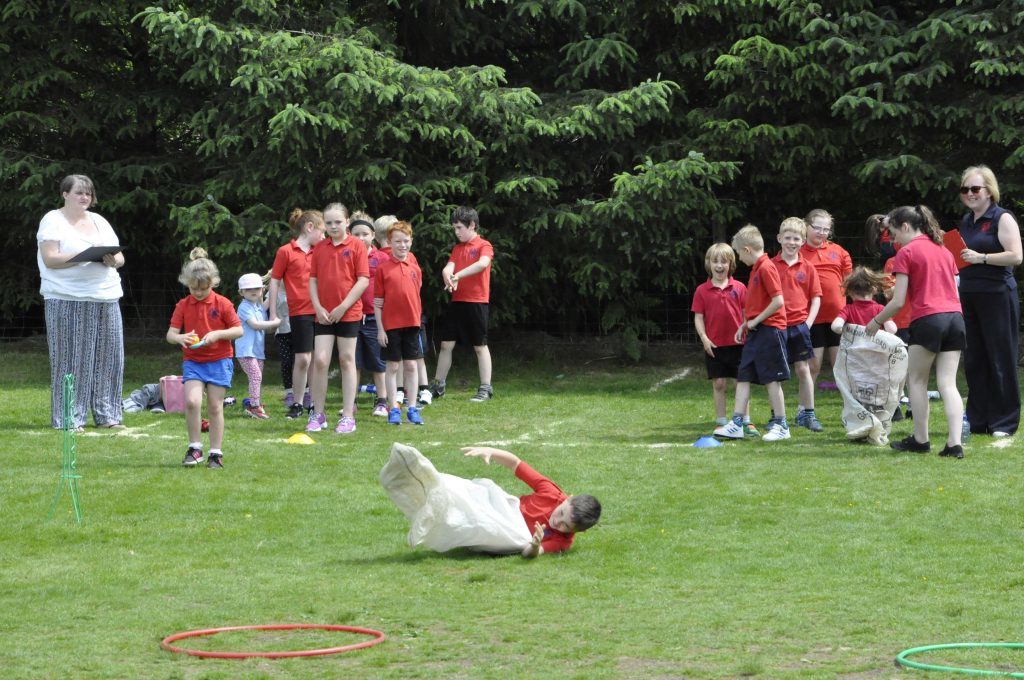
x=89 y=281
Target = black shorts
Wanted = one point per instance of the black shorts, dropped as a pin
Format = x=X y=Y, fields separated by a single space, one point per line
x=939 y=332
x=764 y=357
x=725 y=363
x=302 y=333
x=342 y=329
x=465 y=323
x=798 y=343
x=403 y=344
x=822 y=335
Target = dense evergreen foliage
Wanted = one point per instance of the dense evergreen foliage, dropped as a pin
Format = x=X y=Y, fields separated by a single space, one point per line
x=605 y=143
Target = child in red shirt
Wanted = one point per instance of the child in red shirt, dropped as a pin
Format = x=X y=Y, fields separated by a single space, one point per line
x=204 y=324
x=397 y=311
x=802 y=292
x=291 y=267
x=717 y=312
x=764 y=354
x=833 y=264
x=338 y=275
x=861 y=287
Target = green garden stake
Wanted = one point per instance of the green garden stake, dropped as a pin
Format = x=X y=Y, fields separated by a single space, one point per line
x=68 y=474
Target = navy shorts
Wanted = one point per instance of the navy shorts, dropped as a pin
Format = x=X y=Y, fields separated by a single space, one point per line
x=342 y=329
x=367 y=348
x=764 y=356
x=798 y=343
x=217 y=372
x=403 y=344
x=822 y=335
x=943 y=332
x=465 y=323
x=302 y=333
x=725 y=363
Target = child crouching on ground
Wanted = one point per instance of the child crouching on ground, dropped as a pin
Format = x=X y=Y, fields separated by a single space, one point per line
x=763 y=360
x=249 y=349
x=717 y=313
x=204 y=324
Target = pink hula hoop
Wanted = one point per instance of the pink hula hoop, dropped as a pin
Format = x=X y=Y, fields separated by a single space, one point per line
x=377 y=636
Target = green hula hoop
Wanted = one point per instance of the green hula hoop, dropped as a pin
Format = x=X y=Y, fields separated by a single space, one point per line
x=902 y=660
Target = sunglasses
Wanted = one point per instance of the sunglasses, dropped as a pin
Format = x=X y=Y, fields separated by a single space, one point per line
x=973 y=190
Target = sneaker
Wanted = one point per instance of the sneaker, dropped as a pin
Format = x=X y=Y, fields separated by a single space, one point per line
x=289 y=399
x=729 y=431
x=307 y=401
x=317 y=422
x=256 y=412
x=216 y=462
x=395 y=416
x=809 y=420
x=750 y=431
x=400 y=394
x=295 y=411
x=193 y=457
x=483 y=393
x=380 y=409
x=933 y=395
x=345 y=426
x=908 y=443
x=437 y=389
x=424 y=398
x=776 y=432
x=413 y=415
x=955 y=451
x=999 y=434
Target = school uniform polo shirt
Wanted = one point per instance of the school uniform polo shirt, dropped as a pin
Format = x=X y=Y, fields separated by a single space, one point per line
x=800 y=285
x=722 y=309
x=336 y=267
x=291 y=265
x=476 y=288
x=398 y=285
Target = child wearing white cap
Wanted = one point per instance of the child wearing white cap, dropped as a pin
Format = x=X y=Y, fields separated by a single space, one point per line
x=249 y=349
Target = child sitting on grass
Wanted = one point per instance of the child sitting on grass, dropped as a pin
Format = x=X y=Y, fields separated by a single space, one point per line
x=449 y=512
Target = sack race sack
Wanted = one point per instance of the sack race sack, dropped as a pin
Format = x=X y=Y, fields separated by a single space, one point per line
x=869 y=372
x=172 y=393
x=447 y=512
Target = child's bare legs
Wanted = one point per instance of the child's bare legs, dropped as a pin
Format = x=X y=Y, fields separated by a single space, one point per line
x=193 y=390
x=302 y=374
x=411 y=371
x=918 y=369
x=776 y=399
x=719 y=386
x=483 y=361
x=806 y=384
x=215 y=414
x=945 y=378
x=421 y=371
x=380 y=382
x=323 y=348
x=349 y=375
x=392 y=384
x=444 y=360
x=742 y=397
x=815 y=363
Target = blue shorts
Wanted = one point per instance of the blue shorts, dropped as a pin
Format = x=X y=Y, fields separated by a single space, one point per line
x=764 y=357
x=798 y=343
x=217 y=372
x=367 y=348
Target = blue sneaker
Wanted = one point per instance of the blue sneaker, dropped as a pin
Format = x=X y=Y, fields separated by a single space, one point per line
x=395 y=416
x=413 y=414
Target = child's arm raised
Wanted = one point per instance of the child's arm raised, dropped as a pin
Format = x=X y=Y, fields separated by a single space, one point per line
x=509 y=460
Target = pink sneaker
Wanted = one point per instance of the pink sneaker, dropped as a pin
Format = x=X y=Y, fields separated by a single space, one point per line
x=345 y=426
x=317 y=422
x=381 y=409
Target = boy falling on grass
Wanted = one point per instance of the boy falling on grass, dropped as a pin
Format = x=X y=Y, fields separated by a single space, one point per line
x=801 y=291
x=449 y=512
x=717 y=313
x=763 y=360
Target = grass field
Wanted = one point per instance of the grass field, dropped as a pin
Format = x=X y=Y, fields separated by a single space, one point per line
x=810 y=558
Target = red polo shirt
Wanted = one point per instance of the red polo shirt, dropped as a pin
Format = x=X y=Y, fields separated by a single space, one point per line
x=336 y=267
x=215 y=313
x=763 y=286
x=476 y=288
x=722 y=309
x=398 y=284
x=800 y=285
x=291 y=265
x=833 y=265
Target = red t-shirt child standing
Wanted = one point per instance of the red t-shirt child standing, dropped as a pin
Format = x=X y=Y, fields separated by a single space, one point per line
x=336 y=267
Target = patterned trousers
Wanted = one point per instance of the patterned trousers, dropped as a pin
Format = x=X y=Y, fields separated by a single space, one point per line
x=86 y=339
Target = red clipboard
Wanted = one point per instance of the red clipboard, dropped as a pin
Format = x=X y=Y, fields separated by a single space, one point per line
x=954 y=243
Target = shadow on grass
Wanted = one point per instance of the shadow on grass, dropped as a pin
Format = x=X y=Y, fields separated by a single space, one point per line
x=421 y=555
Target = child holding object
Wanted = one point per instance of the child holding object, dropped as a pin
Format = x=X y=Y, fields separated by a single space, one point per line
x=869 y=371
x=249 y=349
x=449 y=512
x=204 y=324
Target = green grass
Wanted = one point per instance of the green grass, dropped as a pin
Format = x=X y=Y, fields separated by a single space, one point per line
x=811 y=558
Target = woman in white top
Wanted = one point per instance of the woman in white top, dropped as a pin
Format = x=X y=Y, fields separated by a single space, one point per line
x=83 y=316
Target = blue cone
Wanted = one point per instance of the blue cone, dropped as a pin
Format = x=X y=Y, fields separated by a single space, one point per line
x=707 y=442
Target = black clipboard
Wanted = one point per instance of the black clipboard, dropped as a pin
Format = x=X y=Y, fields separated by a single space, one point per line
x=95 y=253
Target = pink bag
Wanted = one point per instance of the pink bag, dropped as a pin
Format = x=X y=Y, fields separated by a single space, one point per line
x=172 y=393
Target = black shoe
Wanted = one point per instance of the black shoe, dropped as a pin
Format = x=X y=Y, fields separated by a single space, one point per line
x=897 y=415
x=910 y=414
x=215 y=461
x=908 y=443
x=437 y=389
x=295 y=411
x=193 y=457
x=955 y=451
